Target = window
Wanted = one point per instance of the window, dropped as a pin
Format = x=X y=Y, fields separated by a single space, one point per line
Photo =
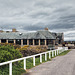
x=18 y=41
x=42 y=42
x=24 y=41
x=30 y=42
x=10 y=41
x=49 y=41
x=3 y=40
x=36 y=42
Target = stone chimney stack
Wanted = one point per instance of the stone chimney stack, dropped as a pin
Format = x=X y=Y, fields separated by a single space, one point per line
x=1 y=31
x=14 y=30
x=46 y=28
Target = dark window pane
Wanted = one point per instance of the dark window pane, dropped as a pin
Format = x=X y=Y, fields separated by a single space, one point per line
x=42 y=42
x=3 y=40
x=36 y=42
x=10 y=41
x=18 y=41
x=24 y=41
x=30 y=42
x=49 y=41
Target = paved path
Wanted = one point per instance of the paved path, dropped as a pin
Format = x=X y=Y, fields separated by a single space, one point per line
x=60 y=65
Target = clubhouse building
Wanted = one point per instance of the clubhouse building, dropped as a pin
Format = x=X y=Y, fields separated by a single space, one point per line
x=42 y=37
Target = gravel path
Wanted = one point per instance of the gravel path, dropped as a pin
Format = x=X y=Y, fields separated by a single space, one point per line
x=60 y=65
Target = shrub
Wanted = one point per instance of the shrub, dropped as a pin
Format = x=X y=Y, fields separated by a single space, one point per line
x=17 y=46
x=25 y=47
x=8 y=53
x=27 y=51
x=11 y=44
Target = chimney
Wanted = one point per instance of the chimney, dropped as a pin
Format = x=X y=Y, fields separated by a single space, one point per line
x=1 y=31
x=14 y=30
x=46 y=28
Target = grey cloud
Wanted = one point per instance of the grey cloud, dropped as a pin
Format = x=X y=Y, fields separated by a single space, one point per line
x=57 y=15
x=39 y=14
x=43 y=3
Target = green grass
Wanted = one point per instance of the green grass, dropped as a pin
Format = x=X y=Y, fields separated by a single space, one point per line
x=37 y=61
x=29 y=63
x=64 y=53
x=18 y=68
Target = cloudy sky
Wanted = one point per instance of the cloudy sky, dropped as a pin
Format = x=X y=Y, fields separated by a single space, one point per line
x=32 y=15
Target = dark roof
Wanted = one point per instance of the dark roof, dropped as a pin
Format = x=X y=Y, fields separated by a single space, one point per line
x=45 y=34
x=58 y=35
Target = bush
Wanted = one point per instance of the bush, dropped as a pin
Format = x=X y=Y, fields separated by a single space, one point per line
x=17 y=46
x=25 y=47
x=11 y=44
x=8 y=53
x=27 y=51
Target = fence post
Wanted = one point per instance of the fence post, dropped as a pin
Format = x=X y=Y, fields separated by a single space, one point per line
x=45 y=56
x=25 y=64
x=10 y=68
x=49 y=54
x=55 y=52
x=62 y=50
x=52 y=54
x=40 y=58
x=33 y=60
x=59 y=51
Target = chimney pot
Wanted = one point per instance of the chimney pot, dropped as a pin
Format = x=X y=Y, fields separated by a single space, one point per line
x=46 y=28
x=13 y=30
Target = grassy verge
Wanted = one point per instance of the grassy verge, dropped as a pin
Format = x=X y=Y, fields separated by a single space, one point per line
x=18 y=68
x=37 y=61
x=64 y=53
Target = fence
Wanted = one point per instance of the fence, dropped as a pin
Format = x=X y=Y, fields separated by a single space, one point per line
x=54 y=52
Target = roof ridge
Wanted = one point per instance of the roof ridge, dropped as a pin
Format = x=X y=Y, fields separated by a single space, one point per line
x=43 y=35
